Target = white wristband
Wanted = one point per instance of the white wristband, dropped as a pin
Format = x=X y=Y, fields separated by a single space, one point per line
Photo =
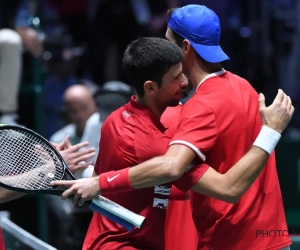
x=267 y=139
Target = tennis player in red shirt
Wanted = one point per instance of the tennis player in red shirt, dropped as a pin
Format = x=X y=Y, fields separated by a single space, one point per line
x=224 y=97
x=134 y=133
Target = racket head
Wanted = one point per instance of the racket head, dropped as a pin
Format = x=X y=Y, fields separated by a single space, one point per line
x=29 y=162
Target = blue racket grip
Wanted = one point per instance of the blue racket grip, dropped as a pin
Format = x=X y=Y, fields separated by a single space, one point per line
x=127 y=225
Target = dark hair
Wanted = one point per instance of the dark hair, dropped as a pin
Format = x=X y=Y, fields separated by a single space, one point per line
x=149 y=59
x=178 y=39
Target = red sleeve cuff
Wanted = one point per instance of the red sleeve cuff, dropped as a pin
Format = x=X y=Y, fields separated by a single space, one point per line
x=115 y=182
x=189 y=179
x=196 y=150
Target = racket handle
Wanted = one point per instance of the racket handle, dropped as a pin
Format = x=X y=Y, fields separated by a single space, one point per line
x=127 y=225
x=116 y=213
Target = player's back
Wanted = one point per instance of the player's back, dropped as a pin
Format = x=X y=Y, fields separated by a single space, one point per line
x=236 y=226
x=129 y=136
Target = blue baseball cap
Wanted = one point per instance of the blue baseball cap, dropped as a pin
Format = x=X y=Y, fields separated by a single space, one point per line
x=201 y=26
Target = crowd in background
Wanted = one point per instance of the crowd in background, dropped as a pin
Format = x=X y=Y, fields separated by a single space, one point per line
x=78 y=45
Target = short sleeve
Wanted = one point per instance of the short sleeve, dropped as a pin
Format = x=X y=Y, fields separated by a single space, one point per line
x=196 y=128
x=190 y=178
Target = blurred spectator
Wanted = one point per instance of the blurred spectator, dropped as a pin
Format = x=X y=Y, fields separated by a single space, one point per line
x=68 y=223
x=60 y=77
x=10 y=73
x=10 y=62
x=79 y=105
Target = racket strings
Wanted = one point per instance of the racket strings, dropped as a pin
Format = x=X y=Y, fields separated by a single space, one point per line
x=27 y=161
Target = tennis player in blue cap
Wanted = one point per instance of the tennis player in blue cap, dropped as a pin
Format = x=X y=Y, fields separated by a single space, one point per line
x=222 y=114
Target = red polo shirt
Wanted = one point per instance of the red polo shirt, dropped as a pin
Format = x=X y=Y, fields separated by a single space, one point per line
x=220 y=123
x=129 y=136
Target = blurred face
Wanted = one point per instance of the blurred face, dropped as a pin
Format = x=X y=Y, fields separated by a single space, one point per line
x=173 y=83
x=79 y=110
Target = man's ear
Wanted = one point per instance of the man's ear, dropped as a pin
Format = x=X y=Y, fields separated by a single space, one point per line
x=186 y=47
x=150 y=87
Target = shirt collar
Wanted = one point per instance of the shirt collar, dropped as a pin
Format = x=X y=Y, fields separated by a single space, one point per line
x=218 y=73
x=141 y=110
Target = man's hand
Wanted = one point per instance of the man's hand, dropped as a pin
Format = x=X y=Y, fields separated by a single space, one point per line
x=84 y=189
x=278 y=115
x=62 y=145
x=74 y=158
x=31 y=40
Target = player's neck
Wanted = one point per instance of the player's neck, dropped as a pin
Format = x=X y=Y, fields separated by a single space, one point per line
x=198 y=71
x=152 y=105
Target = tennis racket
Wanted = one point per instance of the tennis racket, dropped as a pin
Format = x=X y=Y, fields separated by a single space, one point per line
x=28 y=163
